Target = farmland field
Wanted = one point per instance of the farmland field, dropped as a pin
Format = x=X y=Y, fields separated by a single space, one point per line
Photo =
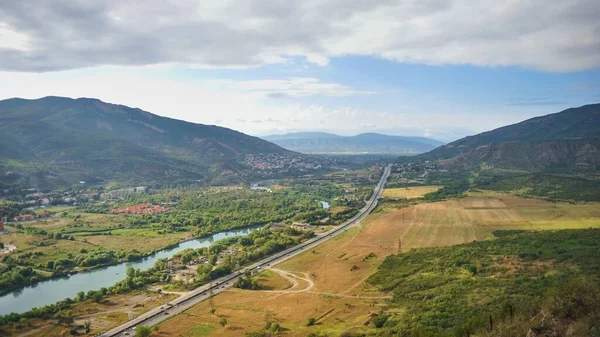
x=338 y=297
x=408 y=192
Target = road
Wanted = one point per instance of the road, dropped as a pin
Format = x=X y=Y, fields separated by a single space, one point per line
x=157 y=315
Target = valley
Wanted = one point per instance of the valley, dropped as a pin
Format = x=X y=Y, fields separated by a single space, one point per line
x=283 y=243
x=333 y=277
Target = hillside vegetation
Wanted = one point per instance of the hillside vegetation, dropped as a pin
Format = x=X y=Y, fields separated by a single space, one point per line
x=56 y=141
x=564 y=142
x=575 y=123
x=515 y=279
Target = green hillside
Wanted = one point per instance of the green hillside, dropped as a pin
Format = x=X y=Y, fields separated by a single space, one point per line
x=565 y=142
x=55 y=141
x=575 y=123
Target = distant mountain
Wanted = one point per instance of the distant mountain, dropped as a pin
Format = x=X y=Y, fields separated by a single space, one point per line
x=56 y=141
x=302 y=135
x=565 y=141
x=327 y=143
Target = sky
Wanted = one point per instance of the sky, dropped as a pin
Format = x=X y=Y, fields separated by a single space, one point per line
x=435 y=68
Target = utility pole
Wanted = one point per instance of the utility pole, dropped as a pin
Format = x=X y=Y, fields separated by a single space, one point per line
x=210 y=298
x=211 y=284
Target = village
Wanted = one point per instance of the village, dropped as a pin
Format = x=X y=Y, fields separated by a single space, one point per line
x=287 y=163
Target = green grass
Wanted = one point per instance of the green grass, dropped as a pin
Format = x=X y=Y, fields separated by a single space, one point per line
x=54 y=209
x=202 y=330
x=136 y=232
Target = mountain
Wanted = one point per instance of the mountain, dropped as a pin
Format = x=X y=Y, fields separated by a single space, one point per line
x=302 y=135
x=56 y=141
x=565 y=141
x=327 y=143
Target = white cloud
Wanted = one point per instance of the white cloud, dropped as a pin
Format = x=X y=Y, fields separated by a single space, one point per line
x=297 y=87
x=559 y=35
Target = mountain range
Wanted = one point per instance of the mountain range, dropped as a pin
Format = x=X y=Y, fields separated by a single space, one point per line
x=372 y=143
x=57 y=141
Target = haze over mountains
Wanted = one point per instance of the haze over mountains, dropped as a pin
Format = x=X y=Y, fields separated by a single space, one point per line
x=565 y=141
x=372 y=143
x=57 y=141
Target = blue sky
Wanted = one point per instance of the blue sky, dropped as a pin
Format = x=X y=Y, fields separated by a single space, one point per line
x=442 y=69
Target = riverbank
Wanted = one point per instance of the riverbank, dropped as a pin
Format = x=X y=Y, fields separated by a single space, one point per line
x=56 y=289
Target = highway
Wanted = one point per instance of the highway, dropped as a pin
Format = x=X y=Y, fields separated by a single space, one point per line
x=159 y=314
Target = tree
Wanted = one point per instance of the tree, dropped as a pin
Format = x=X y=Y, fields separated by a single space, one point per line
x=142 y=331
x=311 y=321
x=64 y=317
x=80 y=296
x=97 y=297
x=223 y=322
x=131 y=272
x=1 y=245
x=87 y=326
x=379 y=320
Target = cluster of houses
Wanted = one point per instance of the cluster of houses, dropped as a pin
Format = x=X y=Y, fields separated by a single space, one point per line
x=283 y=162
x=417 y=172
x=296 y=225
x=45 y=199
x=146 y=208
x=30 y=217
x=122 y=192
x=24 y=217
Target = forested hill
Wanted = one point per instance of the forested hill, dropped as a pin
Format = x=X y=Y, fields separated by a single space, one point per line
x=57 y=140
x=327 y=143
x=140 y=127
x=575 y=123
x=567 y=141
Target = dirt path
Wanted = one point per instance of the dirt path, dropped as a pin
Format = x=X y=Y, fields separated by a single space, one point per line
x=180 y=293
x=292 y=278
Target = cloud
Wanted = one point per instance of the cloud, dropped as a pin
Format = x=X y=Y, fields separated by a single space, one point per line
x=297 y=87
x=214 y=101
x=40 y=35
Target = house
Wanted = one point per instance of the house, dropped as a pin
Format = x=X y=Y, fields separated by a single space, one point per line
x=302 y=226
x=23 y=217
x=278 y=226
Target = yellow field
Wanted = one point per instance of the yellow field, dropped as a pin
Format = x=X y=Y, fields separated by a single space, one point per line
x=330 y=279
x=408 y=192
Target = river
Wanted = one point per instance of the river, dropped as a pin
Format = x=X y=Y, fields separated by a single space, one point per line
x=52 y=291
